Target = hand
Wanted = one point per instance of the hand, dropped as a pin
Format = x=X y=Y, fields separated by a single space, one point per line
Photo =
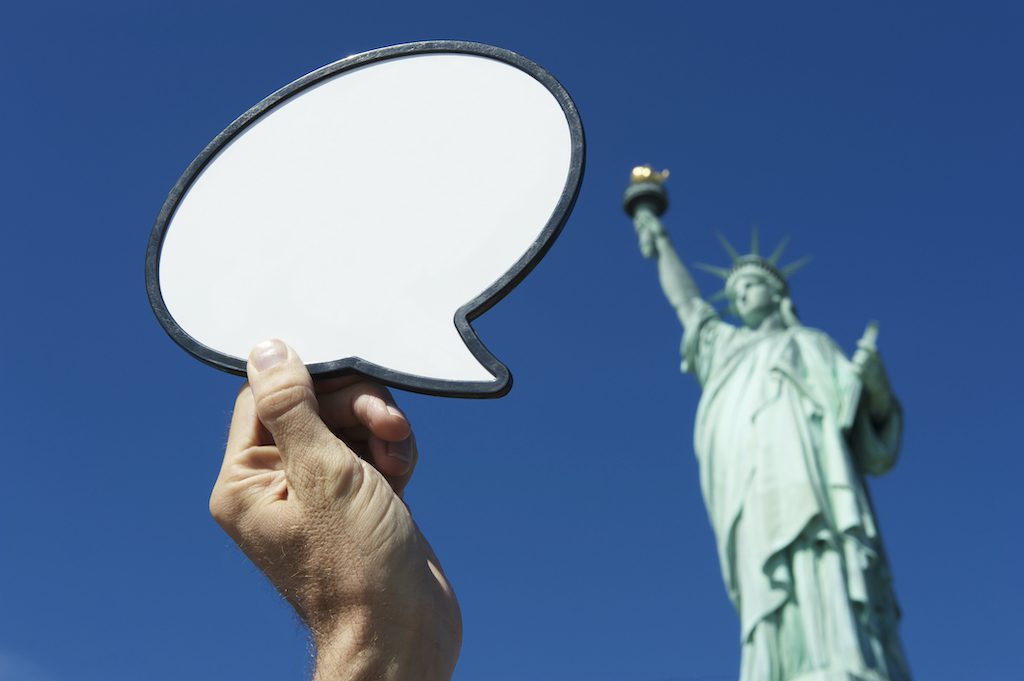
x=648 y=229
x=867 y=364
x=328 y=528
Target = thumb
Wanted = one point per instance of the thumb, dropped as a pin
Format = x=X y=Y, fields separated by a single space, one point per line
x=286 y=404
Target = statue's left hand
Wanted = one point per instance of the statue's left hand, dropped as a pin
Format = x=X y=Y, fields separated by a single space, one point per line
x=868 y=366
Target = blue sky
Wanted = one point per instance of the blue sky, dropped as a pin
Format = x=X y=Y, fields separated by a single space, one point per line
x=887 y=140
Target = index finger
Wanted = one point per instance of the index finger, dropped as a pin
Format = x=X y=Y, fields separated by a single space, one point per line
x=366 y=404
x=245 y=430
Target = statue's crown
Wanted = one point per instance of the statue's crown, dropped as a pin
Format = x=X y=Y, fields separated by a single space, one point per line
x=753 y=263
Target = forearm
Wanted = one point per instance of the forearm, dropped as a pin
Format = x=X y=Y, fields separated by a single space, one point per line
x=679 y=287
x=365 y=653
x=396 y=635
x=677 y=283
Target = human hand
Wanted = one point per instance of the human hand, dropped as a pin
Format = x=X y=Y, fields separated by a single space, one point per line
x=648 y=229
x=328 y=528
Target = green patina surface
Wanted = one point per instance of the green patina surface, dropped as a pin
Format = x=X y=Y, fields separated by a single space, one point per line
x=786 y=430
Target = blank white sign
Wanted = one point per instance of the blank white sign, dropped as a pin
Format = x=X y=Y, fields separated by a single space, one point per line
x=357 y=216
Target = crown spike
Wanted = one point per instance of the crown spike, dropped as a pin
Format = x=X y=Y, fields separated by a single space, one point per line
x=728 y=247
x=720 y=272
x=719 y=295
x=796 y=266
x=755 y=240
x=777 y=253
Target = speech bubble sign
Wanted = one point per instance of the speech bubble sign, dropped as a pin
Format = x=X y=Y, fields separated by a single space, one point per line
x=368 y=212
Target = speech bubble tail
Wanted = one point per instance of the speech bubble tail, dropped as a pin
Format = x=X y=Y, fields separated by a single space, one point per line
x=486 y=360
x=481 y=374
x=454 y=363
x=448 y=360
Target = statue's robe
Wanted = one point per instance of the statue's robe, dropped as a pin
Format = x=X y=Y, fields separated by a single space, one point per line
x=782 y=444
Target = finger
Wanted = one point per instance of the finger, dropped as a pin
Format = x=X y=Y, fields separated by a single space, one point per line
x=247 y=461
x=242 y=434
x=368 y=405
x=395 y=460
x=285 y=403
x=245 y=430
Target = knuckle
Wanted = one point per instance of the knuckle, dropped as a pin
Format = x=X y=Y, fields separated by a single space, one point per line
x=328 y=479
x=329 y=476
x=255 y=457
x=362 y=396
x=221 y=509
x=342 y=479
x=279 y=401
x=243 y=399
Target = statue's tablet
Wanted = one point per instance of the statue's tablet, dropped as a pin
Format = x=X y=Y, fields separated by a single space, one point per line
x=367 y=212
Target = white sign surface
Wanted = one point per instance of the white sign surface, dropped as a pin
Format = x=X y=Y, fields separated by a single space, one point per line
x=364 y=217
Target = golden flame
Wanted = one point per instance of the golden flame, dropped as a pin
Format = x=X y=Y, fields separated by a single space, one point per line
x=645 y=173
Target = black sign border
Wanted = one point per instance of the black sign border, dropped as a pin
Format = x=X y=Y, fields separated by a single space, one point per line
x=464 y=315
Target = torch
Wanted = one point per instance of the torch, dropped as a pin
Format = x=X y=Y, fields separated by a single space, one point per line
x=645 y=200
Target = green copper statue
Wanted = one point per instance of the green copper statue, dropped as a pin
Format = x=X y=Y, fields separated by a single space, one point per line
x=785 y=430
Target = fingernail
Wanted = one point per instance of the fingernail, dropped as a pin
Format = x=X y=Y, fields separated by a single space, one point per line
x=400 y=450
x=394 y=411
x=268 y=354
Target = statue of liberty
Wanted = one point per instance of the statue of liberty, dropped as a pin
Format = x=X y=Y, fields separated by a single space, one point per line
x=786 y=428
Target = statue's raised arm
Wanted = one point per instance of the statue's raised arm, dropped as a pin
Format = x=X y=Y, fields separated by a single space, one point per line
x=645 y=201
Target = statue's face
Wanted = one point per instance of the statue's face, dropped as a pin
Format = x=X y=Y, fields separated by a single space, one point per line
x=754 y=299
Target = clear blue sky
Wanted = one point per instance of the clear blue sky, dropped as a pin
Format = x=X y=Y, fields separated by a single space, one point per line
x=887 y=140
